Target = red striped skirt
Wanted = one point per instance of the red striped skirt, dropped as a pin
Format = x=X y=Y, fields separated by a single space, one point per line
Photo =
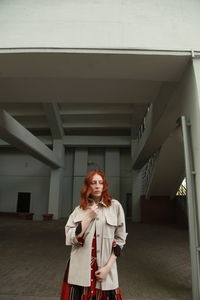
x=75 y=292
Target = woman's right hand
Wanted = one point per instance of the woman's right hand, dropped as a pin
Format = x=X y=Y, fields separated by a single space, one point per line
x=92 y=211
x=91 y=214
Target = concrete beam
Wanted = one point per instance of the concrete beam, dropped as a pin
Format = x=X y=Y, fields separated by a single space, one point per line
x=101 y=123
x=56 y=182
x=54 y=120
x=160 y=121
x=15 y=134
x=86 y=141
x=100 y=141
x=77 y=90
x=101 y=109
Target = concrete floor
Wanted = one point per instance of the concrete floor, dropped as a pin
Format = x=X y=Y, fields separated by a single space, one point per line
x=155 y=265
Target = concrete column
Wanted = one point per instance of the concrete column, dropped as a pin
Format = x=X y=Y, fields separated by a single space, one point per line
x=112 y=171
x=66 y=207
x=80 y=170
x=136 y=187
x=136 y=193
x=189 y=93
x=56 y=182
x=195 y=130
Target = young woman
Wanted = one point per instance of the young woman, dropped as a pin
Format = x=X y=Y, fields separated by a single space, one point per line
x=96 y=231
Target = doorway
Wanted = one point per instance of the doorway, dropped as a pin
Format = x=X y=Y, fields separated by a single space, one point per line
x=23 y=202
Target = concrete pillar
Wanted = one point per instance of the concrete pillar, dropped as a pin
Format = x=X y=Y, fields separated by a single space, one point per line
x=80 y=170
x=189 y=93
x=66 y=207
x=56 y=182
x=195 y=129
x=112 y=171
x=195 y=132
x=136 y=187
x=136 y=193
x=126 y=181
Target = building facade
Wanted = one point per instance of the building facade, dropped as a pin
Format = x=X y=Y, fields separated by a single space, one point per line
x=102 y=84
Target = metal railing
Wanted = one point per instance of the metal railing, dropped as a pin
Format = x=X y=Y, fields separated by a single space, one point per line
x=143 y=124
x=148 y=169
x=182 y=191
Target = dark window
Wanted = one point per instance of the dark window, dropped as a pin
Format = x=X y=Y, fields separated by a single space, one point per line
x=23 y=202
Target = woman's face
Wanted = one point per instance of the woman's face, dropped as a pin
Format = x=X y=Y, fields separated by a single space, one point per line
x=96 y=186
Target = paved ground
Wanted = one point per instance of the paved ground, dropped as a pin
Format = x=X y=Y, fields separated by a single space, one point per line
x=155 y=265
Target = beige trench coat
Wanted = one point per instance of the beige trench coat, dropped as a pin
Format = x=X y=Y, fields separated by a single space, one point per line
x=109 y=226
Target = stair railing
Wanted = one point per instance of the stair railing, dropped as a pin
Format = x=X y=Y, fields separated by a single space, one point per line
x=148 y=169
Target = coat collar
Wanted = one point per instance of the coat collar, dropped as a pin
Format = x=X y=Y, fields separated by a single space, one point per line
x=101 y=202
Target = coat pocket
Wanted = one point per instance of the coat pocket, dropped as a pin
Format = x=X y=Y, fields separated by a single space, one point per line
x=110 y=226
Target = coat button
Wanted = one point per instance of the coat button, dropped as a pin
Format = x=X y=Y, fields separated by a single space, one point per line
x=98 y=235
x=97 y=219
x=98 y=251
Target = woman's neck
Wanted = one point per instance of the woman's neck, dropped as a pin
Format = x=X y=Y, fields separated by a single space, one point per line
x=96 y=199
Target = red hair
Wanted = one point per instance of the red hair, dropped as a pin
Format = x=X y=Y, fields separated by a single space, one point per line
x=86 y=190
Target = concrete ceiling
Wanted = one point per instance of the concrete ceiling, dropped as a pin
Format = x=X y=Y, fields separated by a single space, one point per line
x=101 y=94
x=92 y=66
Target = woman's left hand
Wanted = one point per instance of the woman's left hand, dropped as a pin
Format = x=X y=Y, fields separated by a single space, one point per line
x=102 y=273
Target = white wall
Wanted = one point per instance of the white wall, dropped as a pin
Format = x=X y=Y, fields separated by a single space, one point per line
x=96 y=159
x=22 y=173
x=37 y=186
x=66 y=205
x=21 y=165
x=101 y=23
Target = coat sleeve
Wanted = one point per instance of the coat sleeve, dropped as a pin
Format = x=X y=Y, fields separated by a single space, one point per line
x=70 y=231
x=120 y=232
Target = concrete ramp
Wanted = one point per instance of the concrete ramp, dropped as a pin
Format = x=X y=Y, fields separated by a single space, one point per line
x=169 y=169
